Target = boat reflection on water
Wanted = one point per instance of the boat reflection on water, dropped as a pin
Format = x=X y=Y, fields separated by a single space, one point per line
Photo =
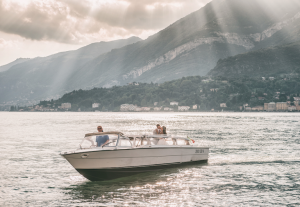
x=139 y=189
x=128 y=155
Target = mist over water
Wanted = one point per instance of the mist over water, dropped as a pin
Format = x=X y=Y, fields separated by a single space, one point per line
x=253 y=160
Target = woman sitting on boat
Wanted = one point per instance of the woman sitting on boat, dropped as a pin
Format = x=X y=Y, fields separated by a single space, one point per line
x=163 y=130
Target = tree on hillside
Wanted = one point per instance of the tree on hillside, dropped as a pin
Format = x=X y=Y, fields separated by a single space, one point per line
x=282 y=98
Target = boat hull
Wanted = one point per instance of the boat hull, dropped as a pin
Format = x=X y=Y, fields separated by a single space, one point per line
x=114 y=173
x=107 y=164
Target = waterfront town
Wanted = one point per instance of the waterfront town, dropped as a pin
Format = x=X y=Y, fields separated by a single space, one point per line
x=173 y=106
x=195 y=93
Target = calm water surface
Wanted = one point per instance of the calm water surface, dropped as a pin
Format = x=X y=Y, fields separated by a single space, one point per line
x=254 y=160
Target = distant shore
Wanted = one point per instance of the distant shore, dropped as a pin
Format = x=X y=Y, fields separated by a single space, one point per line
x=159 y=111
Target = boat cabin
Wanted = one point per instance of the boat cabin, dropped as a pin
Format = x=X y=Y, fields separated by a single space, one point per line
x=118 y=139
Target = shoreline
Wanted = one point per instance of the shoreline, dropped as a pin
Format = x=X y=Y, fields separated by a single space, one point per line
x=159 y=111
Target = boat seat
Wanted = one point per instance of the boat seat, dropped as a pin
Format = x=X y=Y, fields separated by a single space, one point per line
x=162 y=142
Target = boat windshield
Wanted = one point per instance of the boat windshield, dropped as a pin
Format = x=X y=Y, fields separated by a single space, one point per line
x=111 y=140
x=139 y=141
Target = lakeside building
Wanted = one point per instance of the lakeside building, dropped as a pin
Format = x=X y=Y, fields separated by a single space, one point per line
x=138 y=109
x=157 y=108
x=174 y=103
x=281 y=106
x=95 y=105
x=168 y=109
x=292 y=108
x=296 y=100
x=65 y=106
x=266 y=106
x=183 y=108
x=258 y=108
x=146 y=108
x=247 y=108
x=271 y=106
x=195 y=106
x=127 y=107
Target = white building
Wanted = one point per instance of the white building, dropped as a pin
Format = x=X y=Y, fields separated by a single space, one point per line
x=124 y=107
x=168 y=109
x=223 y=105
x=95 y=105
x=138 y=109
x=271 y=78
x=183 y=108
x=146 y=108
x=292 y=108
x=157 y=108
x=195 y=106
x=297 y=101
x=174 y=103
x=65 y=105
x=127 y=107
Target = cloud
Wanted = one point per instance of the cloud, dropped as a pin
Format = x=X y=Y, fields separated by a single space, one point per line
x=79 y=21
x=8 y=43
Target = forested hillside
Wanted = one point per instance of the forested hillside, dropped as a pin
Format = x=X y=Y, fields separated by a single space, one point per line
x=208 y=93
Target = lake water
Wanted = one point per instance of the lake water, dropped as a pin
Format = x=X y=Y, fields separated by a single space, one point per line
x=254 y=160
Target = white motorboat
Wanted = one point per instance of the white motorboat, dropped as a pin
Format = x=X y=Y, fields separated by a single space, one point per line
x=128 y=155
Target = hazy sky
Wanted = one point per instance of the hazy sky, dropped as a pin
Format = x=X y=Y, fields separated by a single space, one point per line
x=31 y=28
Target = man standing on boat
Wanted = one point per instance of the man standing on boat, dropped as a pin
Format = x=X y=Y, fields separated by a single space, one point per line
x=101 y=140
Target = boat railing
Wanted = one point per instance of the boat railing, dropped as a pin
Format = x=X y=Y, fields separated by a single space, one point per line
x=92 y=139
x=118 y=139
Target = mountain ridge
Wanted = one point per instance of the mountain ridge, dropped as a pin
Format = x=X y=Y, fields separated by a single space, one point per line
x=15 y=62
x=44 y=77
